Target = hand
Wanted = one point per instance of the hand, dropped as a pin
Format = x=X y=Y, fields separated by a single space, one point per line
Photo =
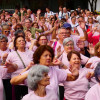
x=30 y=65
x=21 y=11
x=89 y=75
x=11 y=67
x=5 y=57
x=91 y=49
x=38 y=11
x=56 y=62
x=75 y=72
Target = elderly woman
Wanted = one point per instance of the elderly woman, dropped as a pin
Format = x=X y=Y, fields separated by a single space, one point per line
x=38 y=79
x=68 y=45
x=45 y=56
x=94 y=92
x=19 y=59
x=4 y=51
x=76 y=90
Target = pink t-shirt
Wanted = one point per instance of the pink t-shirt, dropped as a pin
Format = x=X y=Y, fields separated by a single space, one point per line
x=93 y=93
x=14 y=58
x=56 y=76
x=32 y=96
x=76 y=90
x=65 y=61
x=3 y=72
x=94 y=60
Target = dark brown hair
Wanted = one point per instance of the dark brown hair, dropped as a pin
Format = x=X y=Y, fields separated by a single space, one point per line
x=73 y=52
x=37 y=43
x=16 y=40
x=39 y=51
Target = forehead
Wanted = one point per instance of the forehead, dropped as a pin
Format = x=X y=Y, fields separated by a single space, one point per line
x=63 y=30
x=2 y=39
x=42 y=37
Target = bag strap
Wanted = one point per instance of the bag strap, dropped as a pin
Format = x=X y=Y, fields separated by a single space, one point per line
x=21 y=59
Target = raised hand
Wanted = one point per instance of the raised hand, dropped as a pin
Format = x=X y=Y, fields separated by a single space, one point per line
x=11 y=67
x=91 y=49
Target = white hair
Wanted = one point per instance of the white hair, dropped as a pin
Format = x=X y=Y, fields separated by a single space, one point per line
x=35 y=75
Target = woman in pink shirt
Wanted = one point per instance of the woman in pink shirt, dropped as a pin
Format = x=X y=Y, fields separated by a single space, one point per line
x=76 y=90
x=38 y=79
x=19 y=59
x=44 y=56
x=94 y=92
x=68 y=45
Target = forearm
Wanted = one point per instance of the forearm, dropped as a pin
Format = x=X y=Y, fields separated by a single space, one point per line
x=18 y=79
x=71 y=77
x=85 y=34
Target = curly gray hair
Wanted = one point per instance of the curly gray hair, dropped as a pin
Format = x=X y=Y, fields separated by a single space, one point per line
x=35 y=75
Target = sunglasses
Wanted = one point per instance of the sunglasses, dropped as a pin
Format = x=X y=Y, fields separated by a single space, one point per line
x=6 y=31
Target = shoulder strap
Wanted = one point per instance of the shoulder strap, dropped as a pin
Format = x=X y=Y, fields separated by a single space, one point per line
x=21 y=59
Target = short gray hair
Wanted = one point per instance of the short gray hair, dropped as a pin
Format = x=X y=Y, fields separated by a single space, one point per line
x=35 y=75
x=3 y=36
x=60 y=29
x=97 y=72
x=66 y=40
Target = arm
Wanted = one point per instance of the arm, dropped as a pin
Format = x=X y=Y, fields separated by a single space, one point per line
x=73 y=76
x=18 y=79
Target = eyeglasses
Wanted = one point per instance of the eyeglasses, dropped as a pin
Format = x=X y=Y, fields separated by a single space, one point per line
x=6 y=31
x=69 y=44
x=43 y=39
x=2 y=41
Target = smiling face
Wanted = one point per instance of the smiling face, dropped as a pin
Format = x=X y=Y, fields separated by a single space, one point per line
x=75 y=61
x=42 y=40
x=45 y=80
x=69 y=46
x=45 y=58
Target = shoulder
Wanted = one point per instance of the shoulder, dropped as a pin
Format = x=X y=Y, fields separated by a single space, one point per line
x=27 y=96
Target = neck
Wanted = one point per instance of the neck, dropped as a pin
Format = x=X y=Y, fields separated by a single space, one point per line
x=21 y=49
x=40 y=91
x=60 y=41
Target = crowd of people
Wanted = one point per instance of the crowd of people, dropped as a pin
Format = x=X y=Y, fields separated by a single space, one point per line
x=50 y=57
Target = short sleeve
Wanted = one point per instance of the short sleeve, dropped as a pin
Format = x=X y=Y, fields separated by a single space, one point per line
x=61 y=74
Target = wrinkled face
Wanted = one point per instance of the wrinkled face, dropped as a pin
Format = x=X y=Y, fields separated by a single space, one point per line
x=45 y=58
x=75 y=61
x=63 y=34
x=3 y=43
x=27 y=23
x=6 y=32
x=43 y=40
x=45 y=80
x=20 y=43
x=69 y=46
